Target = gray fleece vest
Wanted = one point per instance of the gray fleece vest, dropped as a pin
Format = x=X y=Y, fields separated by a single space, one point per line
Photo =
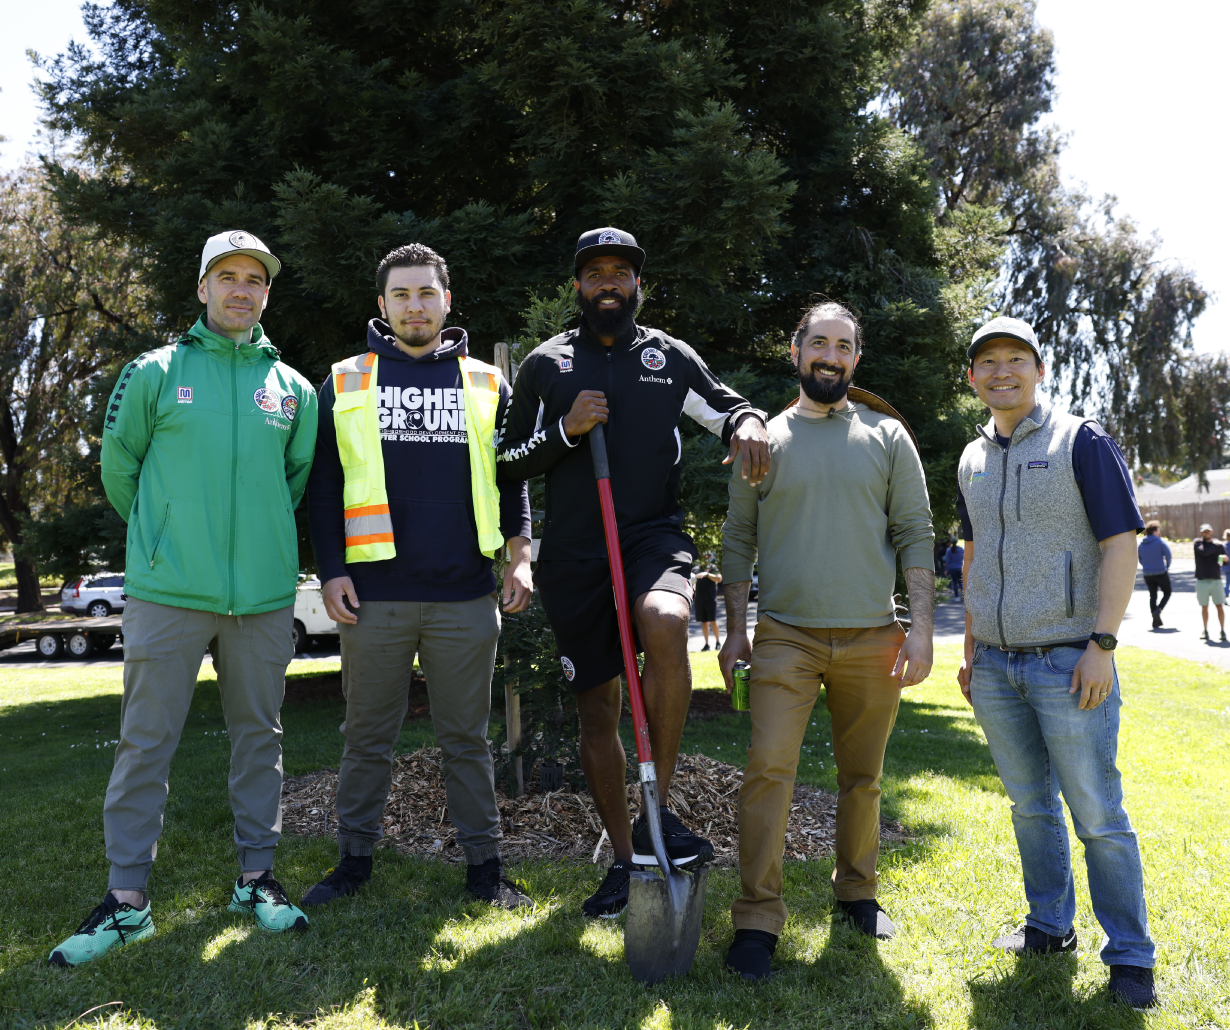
x=1034 y=577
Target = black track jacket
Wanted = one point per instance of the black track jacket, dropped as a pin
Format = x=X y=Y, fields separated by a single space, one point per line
x=649 y=380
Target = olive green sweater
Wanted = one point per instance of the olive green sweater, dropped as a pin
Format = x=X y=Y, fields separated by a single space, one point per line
x=843 y=495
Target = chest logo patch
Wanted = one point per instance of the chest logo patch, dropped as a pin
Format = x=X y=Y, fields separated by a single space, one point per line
x=290 y=406
x=977 y=475
x=570 y=670
x=1038 y=465
x=565 y=364
x=653 y=359
x=185 y=395
x=265 y=400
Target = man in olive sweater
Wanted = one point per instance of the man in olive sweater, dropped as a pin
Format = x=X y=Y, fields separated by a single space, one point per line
x=845 y=494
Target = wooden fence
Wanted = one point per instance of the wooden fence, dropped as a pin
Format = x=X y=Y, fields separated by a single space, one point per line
x=1183 y=521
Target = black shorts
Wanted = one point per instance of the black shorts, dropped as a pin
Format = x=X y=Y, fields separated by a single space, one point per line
x=579 y=600
x=705 y=608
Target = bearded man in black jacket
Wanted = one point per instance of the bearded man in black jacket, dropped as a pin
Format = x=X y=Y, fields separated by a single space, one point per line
x=637 y=382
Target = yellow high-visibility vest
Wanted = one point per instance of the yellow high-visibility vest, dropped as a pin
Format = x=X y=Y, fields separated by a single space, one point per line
x=369 y=525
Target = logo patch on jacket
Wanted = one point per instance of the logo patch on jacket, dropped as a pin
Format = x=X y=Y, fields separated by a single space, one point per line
x=565 y=364
x=290 y=405
x=570 y=670
x=1038 y=465
x=653 y=359
x=977 y=475
x=185 y=395
x=266 y=400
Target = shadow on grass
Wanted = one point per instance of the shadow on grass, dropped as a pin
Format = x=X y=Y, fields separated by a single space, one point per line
x=1040 y=991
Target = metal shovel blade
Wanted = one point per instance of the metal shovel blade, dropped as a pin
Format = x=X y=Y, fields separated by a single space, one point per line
x=662 y=930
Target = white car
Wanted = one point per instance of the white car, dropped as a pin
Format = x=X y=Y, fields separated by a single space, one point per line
x=97 y=596
x=310 y=618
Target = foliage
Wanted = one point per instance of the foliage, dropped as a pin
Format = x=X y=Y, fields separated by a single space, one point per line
x=1114 y=320
x=70 y=312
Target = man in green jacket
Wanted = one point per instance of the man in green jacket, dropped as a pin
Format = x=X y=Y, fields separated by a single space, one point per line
x=207 y=446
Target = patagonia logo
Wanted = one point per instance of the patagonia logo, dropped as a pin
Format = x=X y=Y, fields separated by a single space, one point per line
x=1038 y=465
x=978 y=475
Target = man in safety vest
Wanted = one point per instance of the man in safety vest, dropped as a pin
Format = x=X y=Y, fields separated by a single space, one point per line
x=206 y=449
x=406 y=514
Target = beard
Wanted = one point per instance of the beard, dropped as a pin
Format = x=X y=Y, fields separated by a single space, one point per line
x=610 y=321
x=825 y=391
x=419 y=337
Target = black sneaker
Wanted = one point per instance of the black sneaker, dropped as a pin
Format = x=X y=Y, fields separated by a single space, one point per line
x=1134 y=985
x=682 y=845
x=1223 y=636
x=867 y=917
x=705 y=648
x=1157 y=621
x=1029 y=940
x=351 y=873
x=488 y=883
x=612 y=897
x=750 y=952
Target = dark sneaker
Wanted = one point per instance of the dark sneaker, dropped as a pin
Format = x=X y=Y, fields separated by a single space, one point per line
x=705 y=648
x=611 y=898
x=867 y=917
x=1157 y=621
x=750 y=952
x=351 y=873
x=1134 y=985
x=265 y=899
x=1223 y=636
x=488 y=883
x=1204 y=635
x=682 y=845
x=111 y=925
x=1029 y=940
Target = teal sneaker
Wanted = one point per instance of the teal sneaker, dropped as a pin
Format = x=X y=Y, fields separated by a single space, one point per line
x=111 y=925
x=265 y=899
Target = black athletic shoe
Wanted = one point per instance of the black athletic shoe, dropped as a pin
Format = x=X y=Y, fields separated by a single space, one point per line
x=1157 y=621
x=351 y=873
x=1029 y=940
x=1134 y=985
x=488 y=883
x=867 y=917
x=750 y=952
x=612 y=897
x=682 y=845
x=705 y=648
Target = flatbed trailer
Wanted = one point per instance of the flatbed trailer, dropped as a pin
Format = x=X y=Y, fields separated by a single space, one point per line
x=76 y=638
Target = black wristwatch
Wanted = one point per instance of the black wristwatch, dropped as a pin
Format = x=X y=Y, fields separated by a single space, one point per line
x=1106 y=641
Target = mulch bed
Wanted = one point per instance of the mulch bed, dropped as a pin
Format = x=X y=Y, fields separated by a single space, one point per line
x=704 y=793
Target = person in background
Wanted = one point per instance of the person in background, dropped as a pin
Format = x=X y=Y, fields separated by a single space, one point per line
x=705 y=580
x=1225 y=567
x=1154 y=555
x=1209 y=556
x=954 y=559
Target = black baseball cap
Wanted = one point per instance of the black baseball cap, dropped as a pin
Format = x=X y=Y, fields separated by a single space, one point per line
x=608 y=241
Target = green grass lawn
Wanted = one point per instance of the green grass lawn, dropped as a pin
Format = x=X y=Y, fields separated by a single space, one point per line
x=411 y=949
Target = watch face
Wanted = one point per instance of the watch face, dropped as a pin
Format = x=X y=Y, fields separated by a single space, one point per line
x=1107 y=642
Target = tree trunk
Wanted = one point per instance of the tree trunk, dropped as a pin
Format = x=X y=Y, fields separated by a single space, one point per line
x=29 y=593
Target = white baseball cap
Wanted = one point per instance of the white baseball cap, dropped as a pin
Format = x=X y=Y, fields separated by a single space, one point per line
x=236 y=241
x=999 y=328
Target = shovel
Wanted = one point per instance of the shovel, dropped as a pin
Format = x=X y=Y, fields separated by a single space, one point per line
x=665 y=906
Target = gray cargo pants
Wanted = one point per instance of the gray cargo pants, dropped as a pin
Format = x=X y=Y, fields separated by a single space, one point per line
x=163 y=649
x=455 y=641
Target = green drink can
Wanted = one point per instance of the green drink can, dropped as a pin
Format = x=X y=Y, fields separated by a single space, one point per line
x=741 y=696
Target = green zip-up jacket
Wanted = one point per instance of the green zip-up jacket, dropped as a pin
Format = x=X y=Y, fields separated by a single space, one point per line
x=207 y=446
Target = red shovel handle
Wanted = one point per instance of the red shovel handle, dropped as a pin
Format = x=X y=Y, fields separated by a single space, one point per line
x=597 y=444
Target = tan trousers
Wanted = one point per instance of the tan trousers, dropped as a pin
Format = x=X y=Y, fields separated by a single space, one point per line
x=789 y=663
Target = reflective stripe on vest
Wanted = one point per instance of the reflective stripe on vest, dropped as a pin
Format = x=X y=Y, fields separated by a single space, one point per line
x=369 y=525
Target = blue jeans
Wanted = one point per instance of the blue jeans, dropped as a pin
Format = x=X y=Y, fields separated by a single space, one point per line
x=1043 y=744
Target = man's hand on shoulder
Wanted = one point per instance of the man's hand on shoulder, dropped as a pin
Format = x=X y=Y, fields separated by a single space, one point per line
x=336 y=592
x=735 y=648
x=589 y=408
x=750 y=441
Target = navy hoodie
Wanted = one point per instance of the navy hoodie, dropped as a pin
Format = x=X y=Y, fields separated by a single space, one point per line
x=427 y=478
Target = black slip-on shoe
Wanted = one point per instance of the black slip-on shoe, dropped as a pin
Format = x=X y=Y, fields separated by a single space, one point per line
x=611 y=898
x=683 y=847
x=1029 y=940
x=867 y=917
x=351 y=873
x=1133 y=985
x=750 y=953
x=488 y=883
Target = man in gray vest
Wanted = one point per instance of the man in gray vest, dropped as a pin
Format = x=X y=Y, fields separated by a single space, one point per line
x=1050 y=522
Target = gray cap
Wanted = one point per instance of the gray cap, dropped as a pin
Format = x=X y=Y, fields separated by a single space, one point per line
x=1004 y=327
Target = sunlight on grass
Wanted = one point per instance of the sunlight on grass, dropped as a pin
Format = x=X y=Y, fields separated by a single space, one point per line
x=603 y=938
x=660 y=1019
x=227 y=938
x=360 y=1015
x=458 y=939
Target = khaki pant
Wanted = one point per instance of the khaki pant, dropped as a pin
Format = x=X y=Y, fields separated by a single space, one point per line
x=163 y=649
x=455 y=642
x=789 y=663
